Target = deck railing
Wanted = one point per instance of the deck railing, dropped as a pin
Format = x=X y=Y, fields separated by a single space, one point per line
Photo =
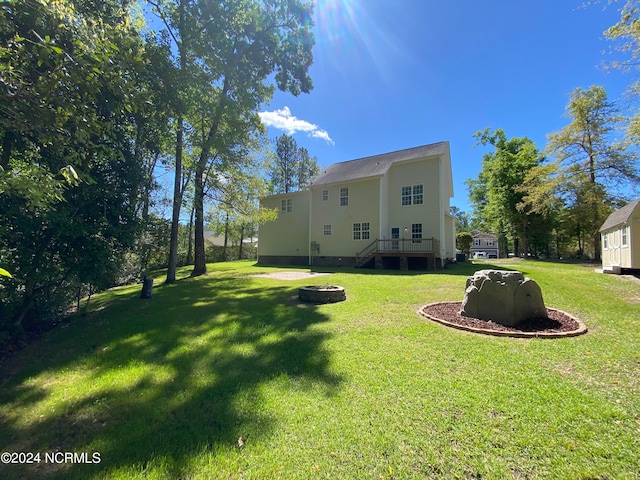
x=399 y=246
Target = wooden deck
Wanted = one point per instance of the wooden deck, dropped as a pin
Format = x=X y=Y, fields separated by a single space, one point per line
x=402 y=248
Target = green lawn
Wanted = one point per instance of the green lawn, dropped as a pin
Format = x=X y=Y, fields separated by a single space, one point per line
x=365 y=388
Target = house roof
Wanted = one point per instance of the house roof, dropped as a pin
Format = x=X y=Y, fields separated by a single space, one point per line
x=620 y=216
x=376 y=165
x=479 y=234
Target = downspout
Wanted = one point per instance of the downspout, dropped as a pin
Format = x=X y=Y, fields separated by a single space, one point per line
x=441 y=235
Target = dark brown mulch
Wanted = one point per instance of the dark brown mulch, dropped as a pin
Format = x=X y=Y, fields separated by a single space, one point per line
x=558 y=324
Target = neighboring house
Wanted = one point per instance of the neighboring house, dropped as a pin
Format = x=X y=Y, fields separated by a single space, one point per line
x=621 y=239
x=389 y=210
x=218 y=240
x=484 y=245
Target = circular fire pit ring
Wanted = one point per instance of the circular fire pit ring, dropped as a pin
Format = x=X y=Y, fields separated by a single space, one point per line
x=322 y=294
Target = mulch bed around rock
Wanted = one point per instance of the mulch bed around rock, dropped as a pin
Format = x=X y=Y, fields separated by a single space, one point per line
x=559 y=323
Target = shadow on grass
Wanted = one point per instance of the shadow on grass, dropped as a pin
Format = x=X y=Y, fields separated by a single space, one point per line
x=173 y=377
x=456 y=268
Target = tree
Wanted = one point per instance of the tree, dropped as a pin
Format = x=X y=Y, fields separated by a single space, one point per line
x=226 y=54
x=464 y=241
x=308 y=169
x=292 y=168
x=589 y=159
x=237 y=199
x=627 y=32
x=69 y=183
x=494 y=194
x=463 y=222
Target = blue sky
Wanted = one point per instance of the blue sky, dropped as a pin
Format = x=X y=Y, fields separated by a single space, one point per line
x=390 y=75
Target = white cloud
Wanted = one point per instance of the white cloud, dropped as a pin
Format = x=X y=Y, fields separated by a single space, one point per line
x=283 y=120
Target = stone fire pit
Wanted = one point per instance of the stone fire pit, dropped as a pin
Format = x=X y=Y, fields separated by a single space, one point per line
x=321 y=294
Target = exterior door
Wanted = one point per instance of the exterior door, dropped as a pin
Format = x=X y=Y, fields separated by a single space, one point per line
x=395 y=235
x=615 y=248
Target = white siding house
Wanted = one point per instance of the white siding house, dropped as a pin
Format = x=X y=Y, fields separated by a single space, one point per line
x=621 y=239
x=385 y=210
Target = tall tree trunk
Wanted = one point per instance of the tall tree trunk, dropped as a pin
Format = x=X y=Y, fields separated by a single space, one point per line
x=241 y=241
x=177 y=203
x=177 y=184
x=199 y=260
x=226 y=237
x=199 y=264
x=190 y=241
x=28 y=299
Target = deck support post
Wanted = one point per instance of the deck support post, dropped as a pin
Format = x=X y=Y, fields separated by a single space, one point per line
x=404 y=264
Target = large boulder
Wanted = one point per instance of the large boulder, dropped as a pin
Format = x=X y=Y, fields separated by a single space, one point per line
x=504 y=297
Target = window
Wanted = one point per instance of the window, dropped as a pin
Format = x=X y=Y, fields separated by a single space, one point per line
x=365 y=231
x=344 y=196
x=489 y=243
x=412 y=195
x=361 y=231
x=417 y=195
x=416 y=232
x=326 y=230
x=476 y=242
x=325 y=195
x=605 y=241
x=286 y=205
x=406 y=196
x=624 y=236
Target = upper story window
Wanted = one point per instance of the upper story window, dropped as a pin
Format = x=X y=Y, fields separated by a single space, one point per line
x=326 y=230
x=624 y=236
x=490 y=243
x=605 y=241
x=412 y=195
x=344 y=196
x=325 y=195
x=476 y=242
x=286 y=206
x=406 y=196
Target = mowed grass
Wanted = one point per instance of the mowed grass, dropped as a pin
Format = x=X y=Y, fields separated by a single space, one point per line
x=227 y=376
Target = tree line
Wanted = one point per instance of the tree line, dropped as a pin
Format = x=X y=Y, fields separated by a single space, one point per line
x=97 y=101
x=552 y=202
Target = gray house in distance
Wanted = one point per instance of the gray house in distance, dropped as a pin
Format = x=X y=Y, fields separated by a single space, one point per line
x=484 y=245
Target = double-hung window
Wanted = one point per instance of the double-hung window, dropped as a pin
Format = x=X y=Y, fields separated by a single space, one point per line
x=325 y=195
x=412 y=195
x=344 y=196
x=361 y=231
x=624 y=236
x=326 y=230
x=416 y=232
x=406 y=196
x=286 y=206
